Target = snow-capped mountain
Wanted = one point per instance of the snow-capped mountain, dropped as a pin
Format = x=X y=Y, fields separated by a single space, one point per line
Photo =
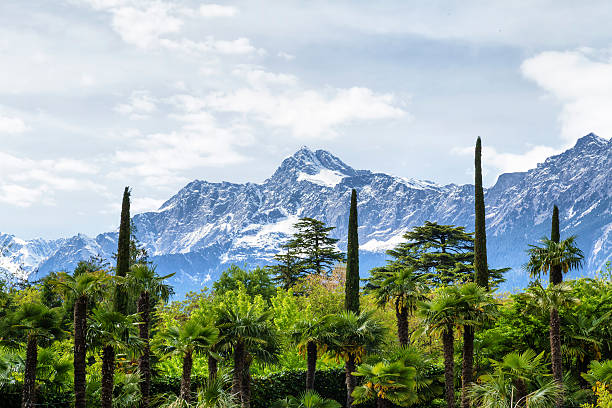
x=207 y=226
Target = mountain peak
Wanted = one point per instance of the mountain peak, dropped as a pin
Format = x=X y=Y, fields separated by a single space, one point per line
x=590 y=139
x=306 y=162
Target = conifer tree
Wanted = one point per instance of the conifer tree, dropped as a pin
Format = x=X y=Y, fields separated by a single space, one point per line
x=317 y=250
x=556 y=275
x=123 y=253
x=289 y=268
x=480 y=234
x=352 y=259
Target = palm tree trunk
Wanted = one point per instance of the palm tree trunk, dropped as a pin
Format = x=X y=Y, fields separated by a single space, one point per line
x=212 y=367
x=349 y=369
x=401 y=313
x=311 y=362
x=245 y=386
x=555 y=350
x=108 y=376
x=521 y=392
x=467 y=366
x=239 y=357
x=144 y=365
x=449 y=366
x=80 y=351
x=28 y=397
x=186 y=377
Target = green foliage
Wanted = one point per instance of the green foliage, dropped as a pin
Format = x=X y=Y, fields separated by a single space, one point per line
x=388 y=381
x=308 y=399
x=481 y=267
x=123 y=253
x=550 y=254
x=256 y=282
x=352 y=259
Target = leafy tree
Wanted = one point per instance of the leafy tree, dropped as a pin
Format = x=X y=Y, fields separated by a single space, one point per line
x=35 y=321
x=392 y=382
x=249 y=334
x=185 y=341
x=522 y=369
x=79 y=288
x=309 y=399
x=354 y=337
x=256 y=282
x=402 y=288
x=312 y=337
x=123 y=253
x=352 y=259
x=481 y=267
x=150 y=288
x=111 y=332
x=317 y=250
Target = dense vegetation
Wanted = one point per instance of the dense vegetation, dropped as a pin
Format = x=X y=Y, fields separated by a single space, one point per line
x=427 y=329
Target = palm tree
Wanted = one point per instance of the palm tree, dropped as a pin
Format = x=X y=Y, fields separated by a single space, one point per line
x=497 y=391
x=599 y=371
x=185 y=341
x=354 y=337
x=214 y=393
x=441 y=315
x=550 y=300
x=475 y=307
x=386 y=382
x=521 y=369
x=36 y=321
x=312 y=338
x=308 y=399
x=80 y=288
x=249 y=334
x=400 y=286
x=111 y=331
x=150 y=288
x=564 y=255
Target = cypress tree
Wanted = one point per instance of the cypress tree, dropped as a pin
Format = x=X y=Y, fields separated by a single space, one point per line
x=352 y=259
x=556 y=275
x=123 y=253
x=480 y=235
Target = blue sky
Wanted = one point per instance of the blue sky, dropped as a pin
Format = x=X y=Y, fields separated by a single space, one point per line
x=99 y=94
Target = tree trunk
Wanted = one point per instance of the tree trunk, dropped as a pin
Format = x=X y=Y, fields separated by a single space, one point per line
x=212 y=367
x=555 y=350
x=311 y=362
x=349 y=368
x=186 y=377
x=521 y=392
x=449 y=366
x=80 y=351
x=401 y=313
x=245 y=385
x=28 y=398
x=239 y=357
x=467 y=366
x=144 y=365
x=108 y=376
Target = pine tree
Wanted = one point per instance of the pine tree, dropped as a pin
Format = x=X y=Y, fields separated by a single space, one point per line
x=352 y=259
x=123 y=253
x=317 y=250
x=289 y=268
x=480 y=234
x=556 y=275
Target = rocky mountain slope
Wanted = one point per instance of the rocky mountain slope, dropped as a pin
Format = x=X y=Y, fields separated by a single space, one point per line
x=206 y=226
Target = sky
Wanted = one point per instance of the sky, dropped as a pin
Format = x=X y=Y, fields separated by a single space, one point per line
x=99 y=94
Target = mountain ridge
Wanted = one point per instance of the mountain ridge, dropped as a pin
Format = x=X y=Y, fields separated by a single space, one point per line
x=205 y=226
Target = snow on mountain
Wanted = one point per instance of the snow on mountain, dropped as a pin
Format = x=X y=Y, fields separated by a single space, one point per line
x=206 y=226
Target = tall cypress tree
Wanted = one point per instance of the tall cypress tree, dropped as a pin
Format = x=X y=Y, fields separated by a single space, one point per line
x=556 y=275
x=123 y=253
x=352 y=259
x=480 y=235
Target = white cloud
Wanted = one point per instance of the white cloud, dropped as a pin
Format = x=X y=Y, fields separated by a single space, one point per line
x=511 y=162
x=216 y=10
x=581 y=81
x=286 y=55
x=139 y=106
x=12 y=125
x=308 y=113
x=143 y=204
x=144 y=27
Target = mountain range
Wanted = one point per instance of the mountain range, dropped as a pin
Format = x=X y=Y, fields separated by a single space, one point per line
x=207 y=226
